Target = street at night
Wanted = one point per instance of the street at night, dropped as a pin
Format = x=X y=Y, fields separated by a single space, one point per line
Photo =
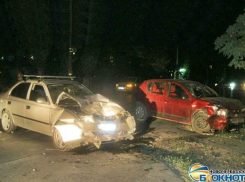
x=142 y=90
x=160 y=151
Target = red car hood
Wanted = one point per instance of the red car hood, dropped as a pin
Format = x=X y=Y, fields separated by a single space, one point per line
x=228 y=103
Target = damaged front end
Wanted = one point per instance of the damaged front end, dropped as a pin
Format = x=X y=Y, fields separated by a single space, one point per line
x=96 y=120
x=222 y=118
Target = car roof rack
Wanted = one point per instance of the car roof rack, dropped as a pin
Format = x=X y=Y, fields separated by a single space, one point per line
x=41 y=77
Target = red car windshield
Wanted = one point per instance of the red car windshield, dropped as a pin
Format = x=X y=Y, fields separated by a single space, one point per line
x=200 y=91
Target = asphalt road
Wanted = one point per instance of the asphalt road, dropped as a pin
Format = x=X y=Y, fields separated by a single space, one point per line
x=29 y=156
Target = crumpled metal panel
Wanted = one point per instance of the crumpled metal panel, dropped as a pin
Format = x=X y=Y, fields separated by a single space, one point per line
x=96 y=109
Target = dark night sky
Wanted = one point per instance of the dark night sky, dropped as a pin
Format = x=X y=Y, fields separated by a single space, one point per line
x=190 y=25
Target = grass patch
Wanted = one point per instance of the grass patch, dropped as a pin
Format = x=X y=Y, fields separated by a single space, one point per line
x=238 y=135
x=181 y=153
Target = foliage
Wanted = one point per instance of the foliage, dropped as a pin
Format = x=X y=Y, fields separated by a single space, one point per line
x=158 y=60
x=232 y=43
x=154 y=57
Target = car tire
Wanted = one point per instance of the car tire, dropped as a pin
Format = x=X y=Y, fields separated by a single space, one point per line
x=7 y=122
x=199 y=122
x=141 y=113
x=58 y=142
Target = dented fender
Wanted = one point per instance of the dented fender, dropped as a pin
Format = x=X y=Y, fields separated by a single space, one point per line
x=217 y=122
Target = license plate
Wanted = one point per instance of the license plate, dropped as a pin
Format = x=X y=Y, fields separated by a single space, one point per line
x=121 y=88
x=237 y=120
x=107 y=127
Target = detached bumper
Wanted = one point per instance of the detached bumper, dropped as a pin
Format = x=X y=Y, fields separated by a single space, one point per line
x=221 y=122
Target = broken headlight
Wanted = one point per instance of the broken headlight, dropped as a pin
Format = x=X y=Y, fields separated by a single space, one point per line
x=87 y=119
x=220 y=111
x=67 y=120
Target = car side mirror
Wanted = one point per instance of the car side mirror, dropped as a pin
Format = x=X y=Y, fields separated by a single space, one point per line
x=41 y=100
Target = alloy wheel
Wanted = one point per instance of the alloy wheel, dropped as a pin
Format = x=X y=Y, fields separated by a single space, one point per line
x=6 y=122
x=58 y=139
x=202 y=123
x=140 y=112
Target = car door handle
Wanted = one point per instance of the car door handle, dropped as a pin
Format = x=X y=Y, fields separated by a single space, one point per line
x=28 y=107
x=9 y=102
x=166 y=101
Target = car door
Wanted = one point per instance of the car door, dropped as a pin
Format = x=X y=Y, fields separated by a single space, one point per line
x=16 y=103
x=177 y=105
x=37 y=114
x=156 y=95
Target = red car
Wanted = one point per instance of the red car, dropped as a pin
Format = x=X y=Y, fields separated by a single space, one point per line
x=188 y=102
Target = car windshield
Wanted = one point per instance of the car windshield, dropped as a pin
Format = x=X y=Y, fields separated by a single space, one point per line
x=200 y=91
x=73 y=89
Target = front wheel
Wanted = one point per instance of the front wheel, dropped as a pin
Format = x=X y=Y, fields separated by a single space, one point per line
x=141 y=113
x=58 y=142
x=7 y=122
x=199 y=122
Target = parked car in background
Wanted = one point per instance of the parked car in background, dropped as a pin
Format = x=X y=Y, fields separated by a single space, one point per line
x=188 y=102
x=128 y=84
x=66 y=110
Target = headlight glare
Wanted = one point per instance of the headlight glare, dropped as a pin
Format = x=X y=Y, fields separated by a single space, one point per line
x=69 y=132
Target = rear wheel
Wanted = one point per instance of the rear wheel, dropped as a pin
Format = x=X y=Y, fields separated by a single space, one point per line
x=7 y=122
x=141 y=113
x=199 y=122
x=58 y=142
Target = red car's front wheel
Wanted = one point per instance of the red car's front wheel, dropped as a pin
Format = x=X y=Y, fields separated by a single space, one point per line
x=199 y=122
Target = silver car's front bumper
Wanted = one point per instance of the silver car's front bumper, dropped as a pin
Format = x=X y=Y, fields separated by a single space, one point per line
x=92 y=133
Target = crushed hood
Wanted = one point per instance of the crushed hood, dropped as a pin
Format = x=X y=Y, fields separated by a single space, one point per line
x=228 y=103
x=93 y=104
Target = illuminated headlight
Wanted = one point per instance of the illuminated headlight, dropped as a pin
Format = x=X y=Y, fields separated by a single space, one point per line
x=222 y=112
x=107 y=126
x=129 y=85
x=69 y=132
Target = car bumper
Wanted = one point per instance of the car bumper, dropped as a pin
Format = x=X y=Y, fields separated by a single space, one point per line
x=97 y=138
x=91 y=133
x=221 y=122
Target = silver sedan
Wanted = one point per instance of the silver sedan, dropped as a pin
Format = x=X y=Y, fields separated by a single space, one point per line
x=65 y=110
